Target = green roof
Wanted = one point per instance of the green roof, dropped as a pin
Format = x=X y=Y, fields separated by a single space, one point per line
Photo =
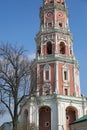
x=82 y=119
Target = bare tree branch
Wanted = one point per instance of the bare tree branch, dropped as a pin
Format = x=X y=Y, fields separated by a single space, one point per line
x=14 y=78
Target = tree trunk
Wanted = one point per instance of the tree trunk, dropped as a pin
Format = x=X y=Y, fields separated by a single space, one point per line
x=15 y=122
x=15 y=119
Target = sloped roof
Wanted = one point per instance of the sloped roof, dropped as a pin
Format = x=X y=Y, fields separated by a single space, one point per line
x=82 y=119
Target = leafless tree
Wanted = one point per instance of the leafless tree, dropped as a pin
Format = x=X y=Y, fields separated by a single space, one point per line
x=14 y=79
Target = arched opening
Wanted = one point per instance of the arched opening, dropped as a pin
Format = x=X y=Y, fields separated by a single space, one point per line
x=47 y=72
x=45 y=118
x=39 y=50
x=66 y=91
x=51 y=1
x=71 y=114
x=60 y=24
x=49 y=48
x=62 y=48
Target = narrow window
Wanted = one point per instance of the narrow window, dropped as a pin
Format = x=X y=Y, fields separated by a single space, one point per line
x=62 y=48
x=47 y=75
x=39 y=50
x=70 y=52
x=65 y=75
x=49 y=48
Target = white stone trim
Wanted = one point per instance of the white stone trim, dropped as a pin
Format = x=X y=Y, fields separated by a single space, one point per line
x=65 y=69
x=44 y=73
x=56 y=77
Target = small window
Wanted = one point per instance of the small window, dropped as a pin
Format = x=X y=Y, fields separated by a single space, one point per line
x=62 y=3
x=65 y=75
x=70 y=52
x=66 y=91
x=51 y=1
x=62 y=48
x=60 y=24
x=49 y=48
x=47 y=75
x=39 y=50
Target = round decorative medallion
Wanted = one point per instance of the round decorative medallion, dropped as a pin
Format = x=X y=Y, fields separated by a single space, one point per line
x=60 y=14
x=50 y=14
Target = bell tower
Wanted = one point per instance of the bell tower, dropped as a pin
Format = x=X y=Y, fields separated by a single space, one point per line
x=57 y=67
x=56 y=100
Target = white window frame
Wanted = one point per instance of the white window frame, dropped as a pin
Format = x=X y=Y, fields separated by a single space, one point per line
x=68 y=75
x=47 y=68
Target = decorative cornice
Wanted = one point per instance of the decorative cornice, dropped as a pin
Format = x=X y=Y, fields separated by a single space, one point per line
x=55 y=6
x=57 y=57
x=55 y=29
x=59 y=98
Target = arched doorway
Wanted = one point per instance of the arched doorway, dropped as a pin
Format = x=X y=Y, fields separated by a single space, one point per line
x=45 y=118
x=71 y=115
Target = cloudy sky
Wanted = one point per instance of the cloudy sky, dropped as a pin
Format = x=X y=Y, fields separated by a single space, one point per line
x=19 y=23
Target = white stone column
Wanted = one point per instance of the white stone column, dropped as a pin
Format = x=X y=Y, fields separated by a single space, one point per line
x=56 y=45
x=37 y=118
x=38 y=77
x=31 y=113
x=56 y=78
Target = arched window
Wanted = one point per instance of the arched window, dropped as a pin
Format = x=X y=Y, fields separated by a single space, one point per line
x=51 y=1
x=66 y=74
x=39 y=50
x=49 y=48
x=60 y=24
x=46 y=72
x=62 y=48
x=66 y=91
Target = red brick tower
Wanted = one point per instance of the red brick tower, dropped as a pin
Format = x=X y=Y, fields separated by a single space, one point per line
x=56 y=63
x=55 y=73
